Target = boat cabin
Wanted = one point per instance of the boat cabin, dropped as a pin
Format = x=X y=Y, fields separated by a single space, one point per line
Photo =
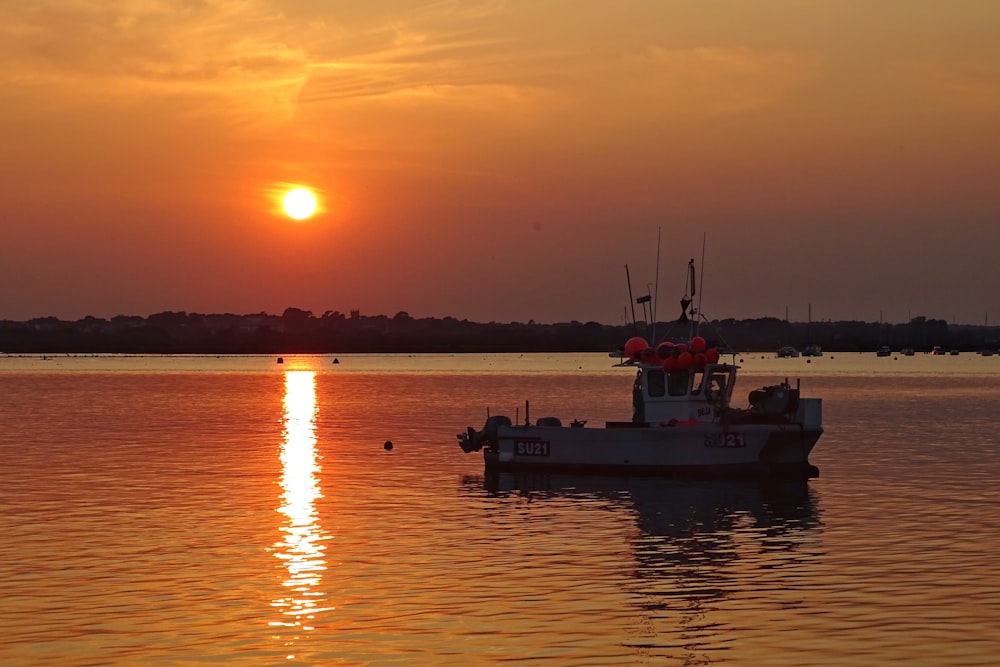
x=681 y=396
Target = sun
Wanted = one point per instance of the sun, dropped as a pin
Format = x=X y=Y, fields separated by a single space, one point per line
x=299 y=203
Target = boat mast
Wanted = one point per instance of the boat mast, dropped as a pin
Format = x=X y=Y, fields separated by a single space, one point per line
x=694 y=311
x=688 y=299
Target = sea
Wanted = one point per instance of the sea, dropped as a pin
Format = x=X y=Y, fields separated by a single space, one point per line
x=234 y=510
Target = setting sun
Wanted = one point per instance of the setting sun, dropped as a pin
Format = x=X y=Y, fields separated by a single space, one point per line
x=299 y=203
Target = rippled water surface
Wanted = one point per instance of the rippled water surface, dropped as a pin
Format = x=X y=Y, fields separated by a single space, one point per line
x=203 y=510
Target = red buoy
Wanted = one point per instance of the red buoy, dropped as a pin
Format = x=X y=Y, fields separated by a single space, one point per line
x=635 y=345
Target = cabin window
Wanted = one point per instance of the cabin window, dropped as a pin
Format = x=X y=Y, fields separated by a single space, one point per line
x=717 y=385
x=678 y=383
x=655 y=385
x=638 y=404
x=696 y=382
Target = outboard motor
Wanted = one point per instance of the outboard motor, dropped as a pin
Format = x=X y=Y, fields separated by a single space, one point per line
x=473 y=440
x=774 y=400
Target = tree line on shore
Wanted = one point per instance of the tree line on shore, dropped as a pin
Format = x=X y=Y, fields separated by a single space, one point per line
x=300 y=331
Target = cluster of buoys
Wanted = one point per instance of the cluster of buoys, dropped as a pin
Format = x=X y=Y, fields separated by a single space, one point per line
x=673 y=356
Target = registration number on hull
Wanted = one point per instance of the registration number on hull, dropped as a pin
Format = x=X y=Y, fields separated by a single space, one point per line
x=531 y=447
x=725 y=440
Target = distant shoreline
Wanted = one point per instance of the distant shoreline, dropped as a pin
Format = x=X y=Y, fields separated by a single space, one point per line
x=301 y=332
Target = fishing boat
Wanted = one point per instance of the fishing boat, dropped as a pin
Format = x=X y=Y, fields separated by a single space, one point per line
x=683 y=423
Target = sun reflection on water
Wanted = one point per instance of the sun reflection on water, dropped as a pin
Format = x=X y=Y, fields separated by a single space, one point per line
x=301 y=549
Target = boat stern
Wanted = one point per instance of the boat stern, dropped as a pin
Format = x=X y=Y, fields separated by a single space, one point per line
x=809 y=413
x=473 y=440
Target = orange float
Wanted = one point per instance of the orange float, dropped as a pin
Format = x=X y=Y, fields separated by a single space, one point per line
x=635 y=345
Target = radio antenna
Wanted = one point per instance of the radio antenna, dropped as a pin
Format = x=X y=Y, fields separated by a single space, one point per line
x=628 y=280
x=701 y=294
x=656 y=286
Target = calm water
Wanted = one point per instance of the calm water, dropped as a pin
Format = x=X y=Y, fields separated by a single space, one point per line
x=202 y=510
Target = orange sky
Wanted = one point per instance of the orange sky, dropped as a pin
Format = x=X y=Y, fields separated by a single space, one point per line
x=501 y=160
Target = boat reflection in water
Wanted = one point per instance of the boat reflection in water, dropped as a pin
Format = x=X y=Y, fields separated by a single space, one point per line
x=708 y=555
x=301 y=549
x=677 y=507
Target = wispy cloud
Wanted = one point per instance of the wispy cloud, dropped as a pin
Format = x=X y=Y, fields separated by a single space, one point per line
x=251 y=56
x=91 y=50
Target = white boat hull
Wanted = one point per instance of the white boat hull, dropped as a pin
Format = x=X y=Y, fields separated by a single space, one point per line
x=691 y=450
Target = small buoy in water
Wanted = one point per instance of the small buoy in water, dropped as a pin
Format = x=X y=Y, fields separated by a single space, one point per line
x=336 y=360
x=281 y=360
x=387 y=445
